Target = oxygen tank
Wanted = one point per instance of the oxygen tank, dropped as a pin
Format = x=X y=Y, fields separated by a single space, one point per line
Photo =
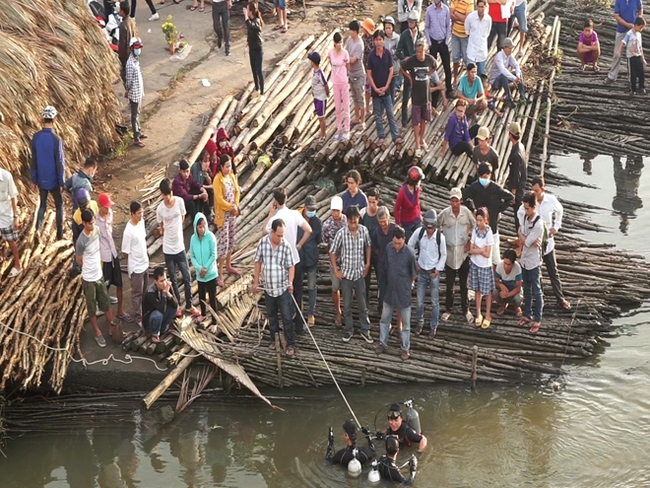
x=373 y=475
x=354 y=466
x=412 y=417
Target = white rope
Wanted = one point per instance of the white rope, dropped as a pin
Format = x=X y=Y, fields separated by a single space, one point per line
x=57 y=349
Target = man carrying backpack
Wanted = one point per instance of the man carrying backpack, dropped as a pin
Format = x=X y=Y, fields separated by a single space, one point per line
x=429 y=245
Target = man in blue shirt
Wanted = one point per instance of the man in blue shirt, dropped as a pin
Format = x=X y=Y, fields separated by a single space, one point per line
x=48 y=169
x=437 y=27
x=470 y=89
x=625 y=13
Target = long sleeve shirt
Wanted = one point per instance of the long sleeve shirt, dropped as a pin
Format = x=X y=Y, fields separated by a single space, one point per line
x=437 y=25
x=403 y=9
x=407 y=206
x=532 y=230
x=47 y=168
x=502 y=65
x=492 y=196
x=183 y=188
x=457 y=130
x=154 y=299
x=478 y=31
x=457 y=231
x=406 y=44
x=133 y=81
x=551 y=211
x=518 y=170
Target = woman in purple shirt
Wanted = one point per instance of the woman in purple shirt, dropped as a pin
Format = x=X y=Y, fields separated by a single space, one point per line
x=457 y=135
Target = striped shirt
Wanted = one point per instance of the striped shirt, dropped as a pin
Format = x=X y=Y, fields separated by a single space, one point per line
x=275 y=265
x=352 y=251
x=462 y=7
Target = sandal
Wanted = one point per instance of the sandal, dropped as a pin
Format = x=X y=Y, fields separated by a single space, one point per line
x=398 y=141
x=194 y=7
x=535 y=327
x=479 y=320
x=565 y=305
x=338 y=323
x=272 y=346
x=502 y=309
x=284 y=30
x=125 y=317
x=486 y=323
x=518 y=312
x=201 y=9
x=220 y=283
x=524 y=321
x=277 y=27
x=290 y=351
x=155 y=339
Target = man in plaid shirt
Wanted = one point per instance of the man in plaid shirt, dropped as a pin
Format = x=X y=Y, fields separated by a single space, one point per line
x=331 y=226
x=135 y=88
x=353 y=244
x=274 y=252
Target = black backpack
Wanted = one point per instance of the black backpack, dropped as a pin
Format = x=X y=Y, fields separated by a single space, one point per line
x=545 y=233
x=417 y=244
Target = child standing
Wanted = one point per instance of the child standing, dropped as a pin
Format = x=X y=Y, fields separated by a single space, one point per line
x=320 y=91
x=589 y=46
x=254 y=42
x=340 y=61
x=635 y=59
x=481 y=276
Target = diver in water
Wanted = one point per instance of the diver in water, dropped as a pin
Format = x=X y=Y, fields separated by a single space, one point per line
x=351 y=452
x=404 y=433
x=387 y=468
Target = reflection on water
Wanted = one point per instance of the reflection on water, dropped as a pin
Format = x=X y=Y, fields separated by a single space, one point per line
x=594 y=432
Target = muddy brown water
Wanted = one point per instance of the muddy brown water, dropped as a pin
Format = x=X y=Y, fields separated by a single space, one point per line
x=593 y=431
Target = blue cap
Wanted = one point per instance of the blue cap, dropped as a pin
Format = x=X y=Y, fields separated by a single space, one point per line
x=314 y=57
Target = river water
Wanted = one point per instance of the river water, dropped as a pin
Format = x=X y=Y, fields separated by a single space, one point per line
x=592 y=431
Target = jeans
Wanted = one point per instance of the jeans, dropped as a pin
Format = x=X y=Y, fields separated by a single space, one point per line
x=384 y=325
x=533 y=289
x=221 y=23
x=159 y=323
x=180 y=260
x=519 y=14
x=58 y=204
x=135 y=120
x=499 y=30
x=256 y=58
x=379 y=104
x=503 y=82
x=424 y=280
x=551 y=269
x=298 y=280
x=284 y=305
x=208 y=288
x=616 y=59
x=450 y=278
x=348 y=287
x=441 y=47
x=481 y=66
x=406 y=99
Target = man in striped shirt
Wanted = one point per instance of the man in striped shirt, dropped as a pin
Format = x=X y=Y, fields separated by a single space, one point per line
x=352 y=243
x=275 y=254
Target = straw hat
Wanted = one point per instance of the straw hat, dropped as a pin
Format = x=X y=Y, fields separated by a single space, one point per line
x=369 y=25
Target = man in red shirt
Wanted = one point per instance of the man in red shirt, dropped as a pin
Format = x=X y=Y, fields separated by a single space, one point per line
x=497 y=9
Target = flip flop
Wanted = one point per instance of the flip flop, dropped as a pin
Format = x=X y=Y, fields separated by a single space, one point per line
x=501 y=309
x=535 y=327
x=201 y=9
x=220 y=283
x=277 y=27
x=290 y=351
x=486 y=324
x=125 y=317
x=338 y=323
x=194 y=7
x=272 y=346
x=479 y=320
x=565 y=305
x=524 y=321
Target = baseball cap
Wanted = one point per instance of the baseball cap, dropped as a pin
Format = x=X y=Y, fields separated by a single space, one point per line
x=507 y=42
x=310 y=203
x=456 y=193
x=314 y=57
x=514 y=128
x=336 y=203
x=483 y=133
x=104 y=200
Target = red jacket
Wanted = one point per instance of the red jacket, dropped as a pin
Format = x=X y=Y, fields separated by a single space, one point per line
x=407 y=213
x=222 y=135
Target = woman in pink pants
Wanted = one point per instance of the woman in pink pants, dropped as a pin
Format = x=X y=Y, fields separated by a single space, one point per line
x=340 y=61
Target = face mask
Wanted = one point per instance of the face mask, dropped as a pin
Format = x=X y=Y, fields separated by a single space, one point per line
x=484 y=181
x=222 y=144
x=137 y=52
x=311 y=214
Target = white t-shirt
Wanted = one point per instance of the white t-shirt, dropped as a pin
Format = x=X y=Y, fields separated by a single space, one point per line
x=134 y=243
x=292 y=220
x=486 y=240
x=88 y=248
x=8 y=191
x=172 y=219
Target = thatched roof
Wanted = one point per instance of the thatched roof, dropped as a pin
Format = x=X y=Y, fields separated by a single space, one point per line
x=54 y=53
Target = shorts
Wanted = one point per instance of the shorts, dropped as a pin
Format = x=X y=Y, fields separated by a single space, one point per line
x=357 y=85
x=9 y=234
x=282 y=4
x=481 y=279
x=420 y=113
x=472 y=109
x=520 y=15
x=496 y=250
x=367 y=89
x=96 y=294
x=112 y=273
x=336 y=282
x=320 y=107
x=459 y=48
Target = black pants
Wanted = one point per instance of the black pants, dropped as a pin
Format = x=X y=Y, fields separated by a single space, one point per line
x=256 y=58
x=373 y=265
x=462 y=147
x=450 y=278
x=515 y=207
x=194 y=206
x=209 y=288
x=134 y=4
x=221 y=23
x=499 y=30
x=406 y=98
x=551 y=269
x=58 y=203
x=637 y=77
x=441 y=47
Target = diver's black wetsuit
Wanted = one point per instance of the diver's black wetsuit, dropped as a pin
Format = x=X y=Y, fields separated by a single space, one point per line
x=344 y=456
